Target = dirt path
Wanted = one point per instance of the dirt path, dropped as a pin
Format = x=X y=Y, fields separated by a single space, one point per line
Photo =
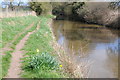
x=15 y=69
x=7 y=46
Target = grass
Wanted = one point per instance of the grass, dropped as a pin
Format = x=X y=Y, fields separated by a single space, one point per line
x=40 y=39
x=11 y=27
x=42 y=74
x=42 y=65
x=6 y=62
x=40 y=42
x=21 y=36
x=41 y=58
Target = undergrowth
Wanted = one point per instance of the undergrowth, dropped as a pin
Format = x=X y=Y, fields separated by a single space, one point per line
x=40 y=61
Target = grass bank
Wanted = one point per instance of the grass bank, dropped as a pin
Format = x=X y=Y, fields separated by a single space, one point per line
x=43 y=57
x=13 y=26
x=10 y=28
x=40 y=60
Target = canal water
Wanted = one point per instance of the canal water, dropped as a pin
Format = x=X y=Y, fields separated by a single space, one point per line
x=93 y=43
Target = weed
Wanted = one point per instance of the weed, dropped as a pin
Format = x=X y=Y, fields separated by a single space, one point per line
x=41 y=60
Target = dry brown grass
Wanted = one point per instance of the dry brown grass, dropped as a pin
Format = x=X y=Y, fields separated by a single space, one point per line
x=16 y=13
x=69 y=62
x=70 y=65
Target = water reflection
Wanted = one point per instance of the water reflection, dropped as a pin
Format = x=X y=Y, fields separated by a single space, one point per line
x=97 y=44
x=112 y=60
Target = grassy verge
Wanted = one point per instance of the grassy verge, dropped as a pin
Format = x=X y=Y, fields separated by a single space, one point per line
x=36 y=21
x=12 y=26
x=40 y=39
x=13 y=30
x=40 y=61
x=6 y=62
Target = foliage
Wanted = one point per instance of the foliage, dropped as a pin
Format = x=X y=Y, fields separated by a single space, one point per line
x=114 y=5
x=40 y=7
x=36 y=7
x=60 y=8
x=67 y=8
x=40 y=61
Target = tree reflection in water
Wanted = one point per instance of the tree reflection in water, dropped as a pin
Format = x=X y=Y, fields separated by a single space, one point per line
x=112 y=61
